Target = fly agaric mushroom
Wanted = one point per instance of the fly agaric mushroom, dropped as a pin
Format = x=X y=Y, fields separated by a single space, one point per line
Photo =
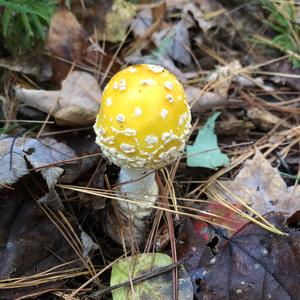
x=143 y=123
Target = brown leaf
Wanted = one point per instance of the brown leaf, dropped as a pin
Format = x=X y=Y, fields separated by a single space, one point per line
x=29 y=243
x=66 y=42
x=77 y=103
x=256 y=265
x=260 y=186
x=263 y=118
x=28 y=62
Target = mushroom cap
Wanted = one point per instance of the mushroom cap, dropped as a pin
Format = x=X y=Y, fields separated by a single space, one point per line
x=144 y=119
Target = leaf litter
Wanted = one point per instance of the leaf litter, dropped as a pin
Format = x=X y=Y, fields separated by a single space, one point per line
x=261 y=187
x=220 y=212
x=255 y=264
x=16 y=152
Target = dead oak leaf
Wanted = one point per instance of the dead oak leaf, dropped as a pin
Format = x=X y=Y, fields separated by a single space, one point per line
x=260 y=186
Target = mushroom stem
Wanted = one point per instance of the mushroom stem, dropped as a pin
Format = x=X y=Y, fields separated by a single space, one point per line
x=137 y=186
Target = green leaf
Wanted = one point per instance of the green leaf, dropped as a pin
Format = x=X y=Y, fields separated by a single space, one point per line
x=26 y=24
x=205 y=151
x=39 y=27
x=22 y=9
x=156 y=288
x=6 y=18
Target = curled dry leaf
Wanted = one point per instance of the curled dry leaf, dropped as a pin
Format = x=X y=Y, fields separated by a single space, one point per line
x=256 y=265
x=14 y=151
x=200 y=101
x=77 y=103
x=177 y=42
x=260 y=186
x=204 y=12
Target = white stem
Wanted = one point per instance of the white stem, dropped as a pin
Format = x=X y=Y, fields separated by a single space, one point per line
x=134 y=185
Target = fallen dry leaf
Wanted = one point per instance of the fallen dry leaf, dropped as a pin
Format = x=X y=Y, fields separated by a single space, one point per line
x=66 y=42
x=256 y=265
x=260 y=186
x=16 y=152
x=77 y=103
x=29 y=244
x=35 y=64
x=222 y=77
x=200 y=101
x=263 y=118
x=204 y=12
x=118 y=20
x=177 y=42
x=142 y=22
x=192 y=247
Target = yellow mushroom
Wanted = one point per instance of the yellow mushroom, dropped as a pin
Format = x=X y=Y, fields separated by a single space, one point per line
x=144 y=120
x=143 y=123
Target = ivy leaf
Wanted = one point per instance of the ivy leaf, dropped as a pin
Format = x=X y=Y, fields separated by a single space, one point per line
x=205 y=151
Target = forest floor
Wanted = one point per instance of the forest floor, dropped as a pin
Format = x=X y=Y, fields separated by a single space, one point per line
x=226 y=224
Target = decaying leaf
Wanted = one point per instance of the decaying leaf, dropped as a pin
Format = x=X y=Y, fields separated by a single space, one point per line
x=263 y=118
x=192 y=247
x=159 y=287
x=35 y=64
x=13 y=164
x=77 y=103
x=256 y=265
x=260 y=186
x=117 y=20
x=66 y=42
x=15 y=152
x=222 y=77
x=205 y=151
x=30 y=243
x=142 y=22
x=177 y=42
x=204 y=12
x=200 y=101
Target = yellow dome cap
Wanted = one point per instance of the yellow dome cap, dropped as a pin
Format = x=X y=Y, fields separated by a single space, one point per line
x=144 y=119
